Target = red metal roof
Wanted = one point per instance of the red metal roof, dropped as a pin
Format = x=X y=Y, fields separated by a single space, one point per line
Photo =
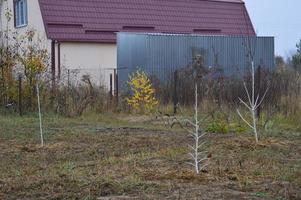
x=99 y=20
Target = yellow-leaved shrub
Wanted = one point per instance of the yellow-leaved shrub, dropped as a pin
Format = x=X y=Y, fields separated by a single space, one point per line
x=143 y=94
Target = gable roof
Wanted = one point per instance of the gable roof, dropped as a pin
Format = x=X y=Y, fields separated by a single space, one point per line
x=99 y=20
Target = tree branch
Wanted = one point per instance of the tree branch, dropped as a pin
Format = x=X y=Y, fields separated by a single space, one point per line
x=245 y=104
x=244 y=119
x=248 y=94
x=263 y=97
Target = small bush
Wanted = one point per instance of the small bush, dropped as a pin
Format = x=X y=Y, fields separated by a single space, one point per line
x=218 y=127
x=143 y=94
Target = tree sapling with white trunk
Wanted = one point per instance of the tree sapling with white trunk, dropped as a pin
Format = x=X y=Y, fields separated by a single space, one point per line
x=254 y=100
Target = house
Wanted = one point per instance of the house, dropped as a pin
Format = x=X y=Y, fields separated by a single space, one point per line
x=82 y=34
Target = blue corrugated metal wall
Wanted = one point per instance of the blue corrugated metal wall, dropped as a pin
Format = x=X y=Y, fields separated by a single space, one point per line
x=161 y=54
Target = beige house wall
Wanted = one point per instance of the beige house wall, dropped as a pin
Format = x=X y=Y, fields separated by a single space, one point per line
x=94 y=59
x=35 y=23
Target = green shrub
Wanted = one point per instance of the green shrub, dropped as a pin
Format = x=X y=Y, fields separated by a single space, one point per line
x=237 y=128
x=218 y=127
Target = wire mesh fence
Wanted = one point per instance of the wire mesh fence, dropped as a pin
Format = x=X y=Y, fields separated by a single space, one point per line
x=76 y=91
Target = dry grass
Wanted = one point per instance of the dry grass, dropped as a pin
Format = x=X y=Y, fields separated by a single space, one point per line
x=95 y=158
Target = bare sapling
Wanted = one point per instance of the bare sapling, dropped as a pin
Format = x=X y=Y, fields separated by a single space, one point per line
x=253 y=103
x=193 y=127
x=198 y=156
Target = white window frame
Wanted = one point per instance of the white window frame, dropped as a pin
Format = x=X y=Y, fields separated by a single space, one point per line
x=21 y=14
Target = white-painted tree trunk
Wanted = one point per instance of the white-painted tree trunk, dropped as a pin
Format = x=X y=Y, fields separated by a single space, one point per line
x=40 y=114
x=253 y=104
x=197 y=156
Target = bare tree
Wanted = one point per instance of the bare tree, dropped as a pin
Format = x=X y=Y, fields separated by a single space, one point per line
x=193 y=127
x=197 y=155
x=254 y=100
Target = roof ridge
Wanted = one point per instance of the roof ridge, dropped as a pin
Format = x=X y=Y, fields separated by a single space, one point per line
x=228 y=1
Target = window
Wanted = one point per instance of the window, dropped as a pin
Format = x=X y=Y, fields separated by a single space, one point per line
x=20 y=14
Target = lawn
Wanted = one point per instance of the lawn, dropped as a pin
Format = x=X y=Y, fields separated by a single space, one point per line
x=128 y=157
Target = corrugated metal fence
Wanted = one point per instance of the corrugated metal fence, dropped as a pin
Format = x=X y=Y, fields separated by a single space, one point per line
x=161 y=54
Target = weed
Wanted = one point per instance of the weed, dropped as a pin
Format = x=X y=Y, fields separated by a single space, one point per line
x=260 y=194
x=217 y=127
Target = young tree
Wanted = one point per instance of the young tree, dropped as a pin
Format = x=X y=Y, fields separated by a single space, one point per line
x=7 y=57
x=254 y=100
x=198 y=157
x=34 y=61
x=143 y=94
x=193 y=127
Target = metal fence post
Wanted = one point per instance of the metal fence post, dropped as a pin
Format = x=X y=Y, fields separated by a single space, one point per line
x=111 y=89
x=116 y=86
x=175 y=95
x=117 y=92
x=68 y=78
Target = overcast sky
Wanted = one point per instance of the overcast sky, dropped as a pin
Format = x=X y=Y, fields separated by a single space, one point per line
x=279 y=18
